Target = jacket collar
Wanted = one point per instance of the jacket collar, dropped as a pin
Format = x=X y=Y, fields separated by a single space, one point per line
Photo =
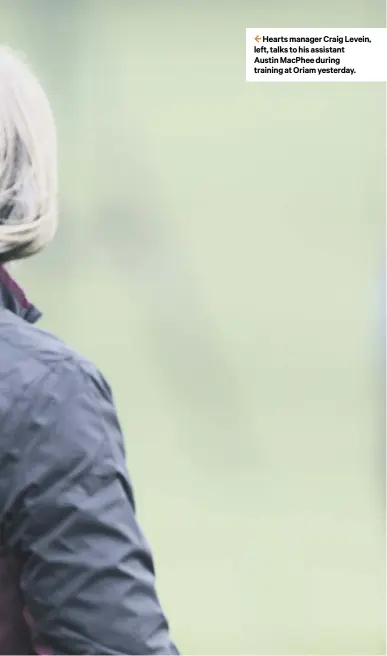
x=13 y=298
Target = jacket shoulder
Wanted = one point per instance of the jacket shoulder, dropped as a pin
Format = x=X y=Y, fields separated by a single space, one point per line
x=29 y=354
x=22 y=341
x=42 y=382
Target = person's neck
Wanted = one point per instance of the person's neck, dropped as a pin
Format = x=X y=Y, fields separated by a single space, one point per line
x=12 y=298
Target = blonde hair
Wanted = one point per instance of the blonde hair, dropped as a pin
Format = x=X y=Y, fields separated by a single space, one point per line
x=28 y=161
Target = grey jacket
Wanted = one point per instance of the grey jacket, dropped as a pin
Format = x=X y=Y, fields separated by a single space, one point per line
x=76 y=573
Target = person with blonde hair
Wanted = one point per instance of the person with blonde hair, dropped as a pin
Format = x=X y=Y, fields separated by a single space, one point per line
x=28 y=166
x=76 y=573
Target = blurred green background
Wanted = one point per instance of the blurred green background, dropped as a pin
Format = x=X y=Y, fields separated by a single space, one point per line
x=220 y=258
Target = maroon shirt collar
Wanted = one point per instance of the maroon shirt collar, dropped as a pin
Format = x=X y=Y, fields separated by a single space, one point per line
x=13 y=298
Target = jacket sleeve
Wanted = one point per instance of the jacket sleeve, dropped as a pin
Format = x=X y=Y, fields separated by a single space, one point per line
x=87 y=576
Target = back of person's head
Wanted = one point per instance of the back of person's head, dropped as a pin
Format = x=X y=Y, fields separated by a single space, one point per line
x=28 y=161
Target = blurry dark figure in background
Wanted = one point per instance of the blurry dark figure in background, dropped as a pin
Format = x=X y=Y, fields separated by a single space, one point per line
x=183 y=340
x=76 y=573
